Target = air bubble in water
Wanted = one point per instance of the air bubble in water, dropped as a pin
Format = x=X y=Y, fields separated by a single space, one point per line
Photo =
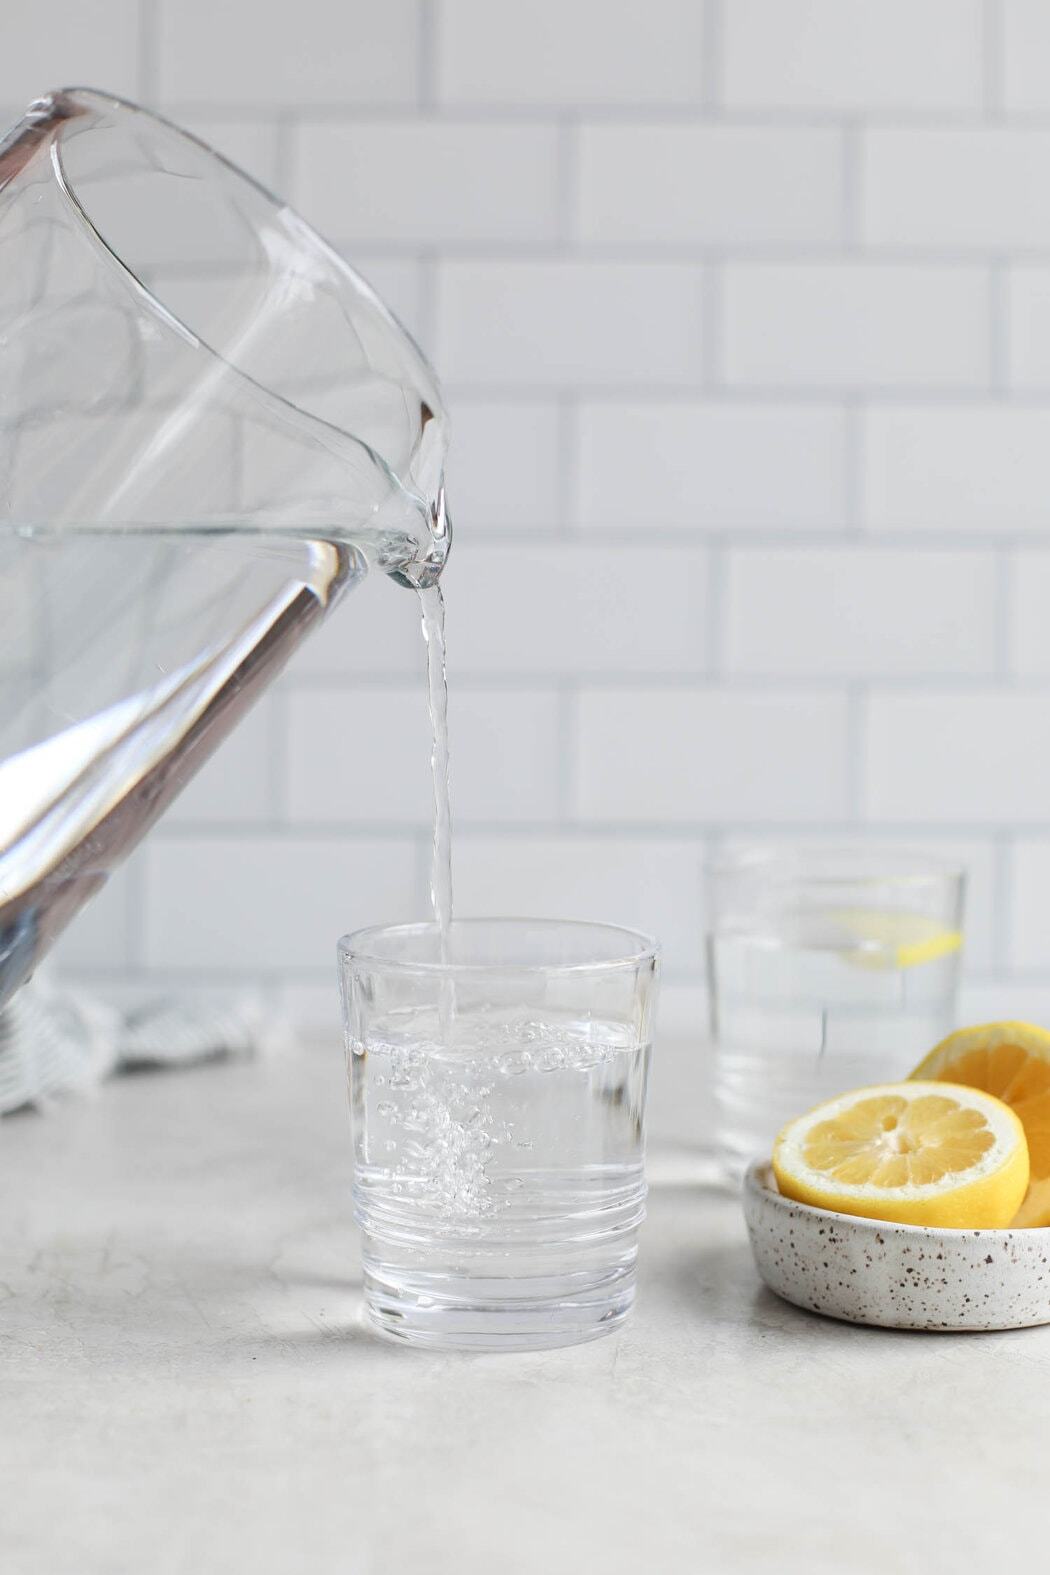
x=515 y=1062
x=463 y=1104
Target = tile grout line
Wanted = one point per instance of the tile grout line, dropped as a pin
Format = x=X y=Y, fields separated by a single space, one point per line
x=567 y=751
x=712 y=65
x=999 y=327
x=567 y=465
x=852 y=186
x=223 y=977
x=949 y=256
x=567 y=182
x=717 y=577
x=856 y=753
x=280 y=759
x=311 y=974
x=712 y=331
x=854 y=413
x=1002 y=894
x=683 y=113
x=231 y=833
x=426 y=65
x=993 y=60
x=790 y=398
x=1003 y=594
x=771 y=682
x=745 y=538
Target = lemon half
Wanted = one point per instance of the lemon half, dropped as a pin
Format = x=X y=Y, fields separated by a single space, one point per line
x=1012 y=1061
x=926 y=1153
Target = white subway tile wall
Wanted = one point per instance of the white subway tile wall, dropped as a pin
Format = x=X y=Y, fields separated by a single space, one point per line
x=859 y=612
x=324 y=53
x=742 y=309
x=86 y=41
x=1030 y=615
x=954 y=469
x=683 y=756
x=1028 y=318
x=562 y=53
x=1026 y=85
x=573 y=607
x=556 y=324
x=971 y=188
x=683 y=185
x=869 y=326
x=854 y=54
x=428 y=181
x=712 y=466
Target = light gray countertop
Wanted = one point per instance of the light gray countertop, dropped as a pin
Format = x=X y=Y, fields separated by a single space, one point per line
x=185 y=1386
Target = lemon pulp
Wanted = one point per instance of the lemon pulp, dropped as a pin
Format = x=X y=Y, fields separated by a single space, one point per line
x=918 y=1153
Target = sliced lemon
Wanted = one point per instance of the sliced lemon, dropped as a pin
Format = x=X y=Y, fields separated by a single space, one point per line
x=1011 y=1061
x=896 y=940
x=917 y=1153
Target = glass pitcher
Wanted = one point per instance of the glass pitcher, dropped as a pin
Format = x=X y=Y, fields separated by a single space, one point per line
x=210 y=427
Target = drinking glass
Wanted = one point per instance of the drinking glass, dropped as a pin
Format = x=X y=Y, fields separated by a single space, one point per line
x=828 y=968
x=497 y=1077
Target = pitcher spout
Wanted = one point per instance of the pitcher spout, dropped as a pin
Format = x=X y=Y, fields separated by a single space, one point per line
x=427 y=557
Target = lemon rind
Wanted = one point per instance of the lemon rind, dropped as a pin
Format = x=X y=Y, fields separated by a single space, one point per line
x=986 y=1036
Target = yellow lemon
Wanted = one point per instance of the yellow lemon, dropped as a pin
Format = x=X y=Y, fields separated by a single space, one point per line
x=1012 y=1061
x=918 y=1153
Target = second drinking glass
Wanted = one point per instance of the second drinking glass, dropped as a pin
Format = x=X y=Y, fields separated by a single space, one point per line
x=828 y=968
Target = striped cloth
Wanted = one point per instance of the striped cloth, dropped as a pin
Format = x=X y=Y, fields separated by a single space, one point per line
x=55 y=1040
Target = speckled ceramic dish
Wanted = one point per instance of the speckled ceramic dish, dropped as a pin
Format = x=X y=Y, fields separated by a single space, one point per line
x=899 y=1276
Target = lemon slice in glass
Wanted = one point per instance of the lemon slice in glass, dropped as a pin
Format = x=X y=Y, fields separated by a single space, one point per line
x=895 y=940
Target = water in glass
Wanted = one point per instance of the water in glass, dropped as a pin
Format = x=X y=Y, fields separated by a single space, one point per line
x=807 y=1005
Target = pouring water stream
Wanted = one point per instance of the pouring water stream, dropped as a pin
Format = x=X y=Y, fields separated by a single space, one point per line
x=432 y=605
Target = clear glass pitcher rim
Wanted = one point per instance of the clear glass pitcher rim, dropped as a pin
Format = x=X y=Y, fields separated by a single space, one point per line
x=66 y=104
